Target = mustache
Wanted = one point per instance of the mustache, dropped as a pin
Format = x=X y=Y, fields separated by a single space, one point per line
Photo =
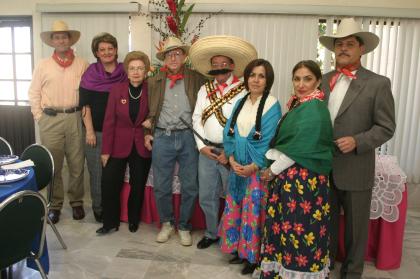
x=219 y=72
x=343 y=53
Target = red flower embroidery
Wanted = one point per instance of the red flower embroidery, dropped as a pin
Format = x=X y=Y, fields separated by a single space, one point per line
x=269 y=248
x=306 y=206
x=322 y=231
x=292 y=205
x=301 y=260
x=303 y=173
x=318 y=254
x=291 y=173
x=322 y=178
x=285 y=226
x=287 y=258
x=276 y=228
x=274 y=198
x=298 y=228
x=319 y=201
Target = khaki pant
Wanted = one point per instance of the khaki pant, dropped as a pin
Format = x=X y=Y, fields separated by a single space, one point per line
x=62 y=135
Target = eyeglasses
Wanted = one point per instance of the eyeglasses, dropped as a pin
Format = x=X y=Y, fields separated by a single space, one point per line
x=176 y=54
x=136 y=69
x=220 y=66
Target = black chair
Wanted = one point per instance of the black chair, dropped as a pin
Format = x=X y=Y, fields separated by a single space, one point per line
x=23 y=218
x=5 y=148
x=44 y=172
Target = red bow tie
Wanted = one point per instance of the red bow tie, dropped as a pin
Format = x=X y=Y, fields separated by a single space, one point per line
x=174 y=78
x=347 y=71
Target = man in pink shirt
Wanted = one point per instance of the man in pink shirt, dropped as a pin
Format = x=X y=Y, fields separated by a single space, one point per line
x=53 y=96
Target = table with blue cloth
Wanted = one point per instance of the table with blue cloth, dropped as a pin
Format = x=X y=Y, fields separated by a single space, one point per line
x=28 y=183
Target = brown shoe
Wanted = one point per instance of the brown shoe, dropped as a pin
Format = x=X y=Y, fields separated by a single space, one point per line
x=78 y=213
x=54 y=215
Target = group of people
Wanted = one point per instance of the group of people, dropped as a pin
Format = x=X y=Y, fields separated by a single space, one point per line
x=285 y=176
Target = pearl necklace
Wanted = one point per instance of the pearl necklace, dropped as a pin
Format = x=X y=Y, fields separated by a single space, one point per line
x=131 y=95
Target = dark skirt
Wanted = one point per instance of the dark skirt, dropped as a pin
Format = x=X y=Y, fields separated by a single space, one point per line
x=295 y=237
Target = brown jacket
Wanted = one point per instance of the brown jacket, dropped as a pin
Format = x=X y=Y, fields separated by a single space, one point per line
x=192 y=80
x=367 y=113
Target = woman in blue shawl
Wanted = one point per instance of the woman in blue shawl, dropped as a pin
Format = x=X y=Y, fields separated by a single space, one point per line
x=246 y=138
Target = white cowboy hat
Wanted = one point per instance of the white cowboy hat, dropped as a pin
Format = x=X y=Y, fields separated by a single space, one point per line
x=60 y=26
x=349 y=27
x=169 y=44
x=239 y=50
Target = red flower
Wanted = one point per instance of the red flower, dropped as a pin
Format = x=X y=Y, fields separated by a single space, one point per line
x=306 y=206
x=172 y=25
x=322 y=179
x=171 y=6
x=276 y=228
x=301 y=260
x=269 y=249
x=285 y=226
x=298 y=228
x=287 y=258
x=318 y=254
x=274 y=198
x=292 y=205
x=291 y=173
x=322 y=231
x=319 y=201
x=303 y=173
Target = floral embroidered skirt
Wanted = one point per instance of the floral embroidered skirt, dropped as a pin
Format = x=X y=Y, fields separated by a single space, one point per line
x=295 y=237
x=242 y=220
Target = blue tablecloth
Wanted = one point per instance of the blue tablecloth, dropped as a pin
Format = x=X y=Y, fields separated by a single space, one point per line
x=28 y=183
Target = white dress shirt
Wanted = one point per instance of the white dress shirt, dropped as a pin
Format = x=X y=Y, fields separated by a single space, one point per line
x=338 y=94
x=212 y=130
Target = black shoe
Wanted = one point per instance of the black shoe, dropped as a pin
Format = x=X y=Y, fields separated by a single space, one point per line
x=54 y=215
x=236 y=260
x=78 y=212
x=205 y=242
x=98 y=217
x=248 y=268
x=133 y=227
x=103 y=230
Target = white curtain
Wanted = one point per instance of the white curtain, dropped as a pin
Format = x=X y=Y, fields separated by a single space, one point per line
x=90 y=25
x=283 y=40
x=398 y=57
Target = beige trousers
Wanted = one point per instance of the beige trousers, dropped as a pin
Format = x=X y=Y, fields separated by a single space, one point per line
x=62 y=135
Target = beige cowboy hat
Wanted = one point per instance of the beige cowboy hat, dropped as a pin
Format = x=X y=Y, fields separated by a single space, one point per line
x=169 y=44
x=60 y=26
x=239 y=50
x=349 y=27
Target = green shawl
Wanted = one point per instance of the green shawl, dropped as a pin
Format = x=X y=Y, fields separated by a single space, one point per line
x=305 y=135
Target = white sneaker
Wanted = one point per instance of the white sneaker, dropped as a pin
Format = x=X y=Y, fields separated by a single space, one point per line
x=165 y=232
x=185 y=237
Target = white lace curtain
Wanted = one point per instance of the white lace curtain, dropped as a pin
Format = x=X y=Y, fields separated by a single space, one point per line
x=398 y=58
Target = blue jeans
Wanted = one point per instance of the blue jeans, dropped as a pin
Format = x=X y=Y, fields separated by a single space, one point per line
x=212 y=178
x=177 y=146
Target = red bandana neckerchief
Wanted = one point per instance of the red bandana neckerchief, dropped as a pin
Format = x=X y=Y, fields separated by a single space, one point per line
x=173 y=78
x=346 y=70
x=221 y=87
x=67 y=61
x=295 y=100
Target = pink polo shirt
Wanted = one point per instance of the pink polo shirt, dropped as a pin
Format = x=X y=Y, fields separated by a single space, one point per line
x=54 y=86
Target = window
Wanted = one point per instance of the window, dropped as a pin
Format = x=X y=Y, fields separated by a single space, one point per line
x=16 y=60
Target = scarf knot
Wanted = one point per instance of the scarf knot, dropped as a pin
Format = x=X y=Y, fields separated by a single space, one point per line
x=68 y=58
x=346 y=70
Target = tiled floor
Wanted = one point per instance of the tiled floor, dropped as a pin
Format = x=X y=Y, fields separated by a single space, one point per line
x=126 y=255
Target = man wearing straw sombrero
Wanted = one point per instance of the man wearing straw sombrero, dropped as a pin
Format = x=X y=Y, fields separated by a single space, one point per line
x=223 y=58
x=362 y=111
x=54 y=100
x=172 y=96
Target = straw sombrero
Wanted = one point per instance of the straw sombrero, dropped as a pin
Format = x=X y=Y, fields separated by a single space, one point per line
x=60 y=26
x=239 y=50
x=349 y=27
x=169 y=44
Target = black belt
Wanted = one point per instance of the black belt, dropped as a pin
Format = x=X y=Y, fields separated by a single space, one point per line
x=217 y=145
x=172 y=130
x=54 y=111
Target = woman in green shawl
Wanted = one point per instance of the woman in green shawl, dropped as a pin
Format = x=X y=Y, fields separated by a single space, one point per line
x=295 y=237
